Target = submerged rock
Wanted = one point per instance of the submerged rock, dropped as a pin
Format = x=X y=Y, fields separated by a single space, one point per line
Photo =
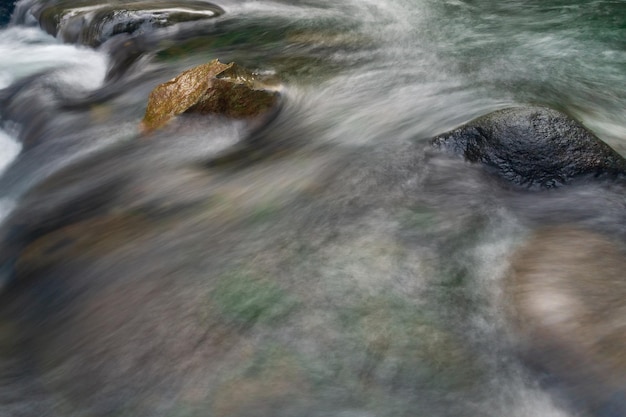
x=93 y=24
x=6 y=9
x=533 y=147
x=224 y=89
x=568 y=303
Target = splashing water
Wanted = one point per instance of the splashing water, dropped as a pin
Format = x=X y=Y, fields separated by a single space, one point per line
x=327 y=263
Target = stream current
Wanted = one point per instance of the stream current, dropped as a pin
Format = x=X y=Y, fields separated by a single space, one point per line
x=326 y=264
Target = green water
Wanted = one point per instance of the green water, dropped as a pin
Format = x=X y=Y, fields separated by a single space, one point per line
x=328 y=265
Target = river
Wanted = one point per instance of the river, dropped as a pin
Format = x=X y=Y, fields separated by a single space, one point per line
x=328 y=263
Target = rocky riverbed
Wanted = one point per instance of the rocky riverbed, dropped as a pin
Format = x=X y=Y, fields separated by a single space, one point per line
x=420 y=219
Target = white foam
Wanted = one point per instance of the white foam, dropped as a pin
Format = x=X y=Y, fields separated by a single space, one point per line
x=9 y=149
x=26 y=51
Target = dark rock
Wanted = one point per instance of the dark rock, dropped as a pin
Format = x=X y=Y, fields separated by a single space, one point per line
x=94 y=24
x=6 y=9
x=533 y=147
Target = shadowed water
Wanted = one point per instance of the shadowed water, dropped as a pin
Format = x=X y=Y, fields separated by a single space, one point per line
x=327 y=263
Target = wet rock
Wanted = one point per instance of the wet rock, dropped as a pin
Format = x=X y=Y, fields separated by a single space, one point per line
x=217 y=88
x=533 y=147
x=93 y=24
x=568 y=297
x=6 y=9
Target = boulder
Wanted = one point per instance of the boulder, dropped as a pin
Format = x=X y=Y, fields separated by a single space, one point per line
x=533 y=147
x=93 y=24
x=212 y=88
x=566 y=296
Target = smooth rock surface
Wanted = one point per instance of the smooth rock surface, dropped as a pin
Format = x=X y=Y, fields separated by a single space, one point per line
x=94 y=23
x=533 y=147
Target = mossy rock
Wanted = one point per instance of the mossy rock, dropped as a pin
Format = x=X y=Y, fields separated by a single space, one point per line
x=245 y=300
x=216 y=88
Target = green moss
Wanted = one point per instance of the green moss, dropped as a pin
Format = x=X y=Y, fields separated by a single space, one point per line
x=226 y=36
x=306 y=68
x=246 y=300
x=419 y=218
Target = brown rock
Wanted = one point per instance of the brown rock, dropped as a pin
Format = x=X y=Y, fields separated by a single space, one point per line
x=568 y=305
x=214 y=87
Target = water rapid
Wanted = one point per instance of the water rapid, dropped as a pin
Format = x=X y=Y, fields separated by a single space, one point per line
x=326 y=263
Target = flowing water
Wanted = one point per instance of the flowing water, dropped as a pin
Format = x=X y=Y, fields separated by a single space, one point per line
x=326 y=264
